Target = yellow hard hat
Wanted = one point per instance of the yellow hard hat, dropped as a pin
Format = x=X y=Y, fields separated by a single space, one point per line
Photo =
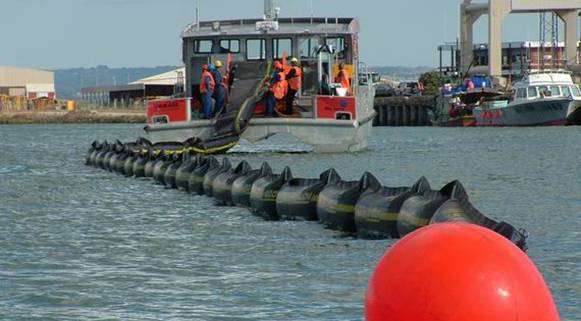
x=218 y=64
x=294 y=60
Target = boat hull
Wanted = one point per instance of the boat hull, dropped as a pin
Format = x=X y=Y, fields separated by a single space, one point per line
x=464 y=121
x=545 y=112
x=325 y=135
x=574 y=116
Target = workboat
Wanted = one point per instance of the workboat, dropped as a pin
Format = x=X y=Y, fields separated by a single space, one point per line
x=541 y=98
x=325 y=116
x=454 y=107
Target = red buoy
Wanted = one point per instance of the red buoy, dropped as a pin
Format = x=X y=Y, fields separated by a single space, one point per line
x=457 y=272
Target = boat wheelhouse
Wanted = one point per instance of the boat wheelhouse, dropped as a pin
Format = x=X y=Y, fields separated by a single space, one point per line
x=325 y=116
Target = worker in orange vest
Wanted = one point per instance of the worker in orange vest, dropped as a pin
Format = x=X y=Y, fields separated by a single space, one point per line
x=343 y=78
x=278 y=88
x=294 y=79
x=220 y=89
x=207 y=85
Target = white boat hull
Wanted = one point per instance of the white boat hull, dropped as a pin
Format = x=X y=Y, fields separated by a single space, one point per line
x=325 y=136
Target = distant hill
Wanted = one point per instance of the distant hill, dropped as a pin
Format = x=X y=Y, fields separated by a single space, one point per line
x=68 y=82
x=402 y=73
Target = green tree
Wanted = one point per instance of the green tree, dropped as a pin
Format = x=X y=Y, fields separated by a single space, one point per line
x=432 y=82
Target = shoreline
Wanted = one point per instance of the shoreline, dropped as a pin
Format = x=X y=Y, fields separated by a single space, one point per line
x=73 y=117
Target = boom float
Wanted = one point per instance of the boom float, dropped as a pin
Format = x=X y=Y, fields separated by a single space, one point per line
x=362 y=208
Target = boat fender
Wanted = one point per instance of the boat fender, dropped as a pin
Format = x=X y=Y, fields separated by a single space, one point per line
x=212 y=174
x=455 y=210
x=196 y=180
x=169 y=177
x=160 y=168
x=222 y=187
x=376 y=212
x=417 y=211
x=297 y=199
x=264 y=192
x=100 y=156
x=112 y=153
x=242 y=185
x=129 y=164
x=91 y=153
x=336 y=204
x=183 y=173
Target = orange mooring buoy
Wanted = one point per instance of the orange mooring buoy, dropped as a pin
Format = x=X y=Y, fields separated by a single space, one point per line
x=457 y=272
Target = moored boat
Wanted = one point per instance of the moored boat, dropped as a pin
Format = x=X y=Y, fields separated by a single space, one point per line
x=546 y=98
x=455 y=106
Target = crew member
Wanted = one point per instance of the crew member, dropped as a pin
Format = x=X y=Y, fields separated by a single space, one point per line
x=207 y=85
x=278 y=88
x=294 y=79
x=325 y=89
x=343 y=78
x=219 y=91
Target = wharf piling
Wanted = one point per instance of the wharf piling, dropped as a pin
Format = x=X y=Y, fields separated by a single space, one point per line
x=403 y=111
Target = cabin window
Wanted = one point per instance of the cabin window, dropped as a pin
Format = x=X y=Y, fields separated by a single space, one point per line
x=255 y=49
x=521 y=93
x=576 y=91
x=308 y=47
x=338 y=44
x=544 y=91
x=203 y=46
x=555 y=92
x=229 y=46
x=280 y=47
x=532 y=92
x=566 y=91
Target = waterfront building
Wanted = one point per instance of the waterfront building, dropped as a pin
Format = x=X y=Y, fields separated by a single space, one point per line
x=136 y=93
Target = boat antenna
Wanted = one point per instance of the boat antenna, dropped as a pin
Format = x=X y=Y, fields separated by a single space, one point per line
x=269 y=10
x=198 y=14
x=312 y=12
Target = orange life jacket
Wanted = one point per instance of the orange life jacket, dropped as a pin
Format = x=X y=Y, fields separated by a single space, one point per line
x=295 y=82
x=203 y=88
x=343 y=79
x=280 y=87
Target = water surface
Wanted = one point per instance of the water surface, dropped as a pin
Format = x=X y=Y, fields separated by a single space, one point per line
x=79 y=243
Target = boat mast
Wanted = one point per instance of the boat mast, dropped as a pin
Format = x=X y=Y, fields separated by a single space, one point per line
x=269 y=10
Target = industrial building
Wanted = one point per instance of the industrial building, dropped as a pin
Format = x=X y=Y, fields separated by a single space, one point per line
x=516 y=58
x=566 y=11
x=137 y=93
x=24 y=82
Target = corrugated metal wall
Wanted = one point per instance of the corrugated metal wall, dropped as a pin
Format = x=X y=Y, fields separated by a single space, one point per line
x=20 y=77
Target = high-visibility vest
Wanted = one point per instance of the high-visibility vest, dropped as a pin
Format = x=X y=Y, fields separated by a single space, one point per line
x=280 y=87
x=205 y=75
x=343 y=79
x=295 y=82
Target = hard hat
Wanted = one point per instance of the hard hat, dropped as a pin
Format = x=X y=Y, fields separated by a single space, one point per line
x=277 y=65
x=212 y=67
x=294 y=60
x=445 y=271
x=204 y=67
x=218 y=64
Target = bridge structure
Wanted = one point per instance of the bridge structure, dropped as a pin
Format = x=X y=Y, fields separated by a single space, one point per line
x=497 y=10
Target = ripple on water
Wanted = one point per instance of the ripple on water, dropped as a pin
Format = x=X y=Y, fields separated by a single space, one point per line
x=84 y=244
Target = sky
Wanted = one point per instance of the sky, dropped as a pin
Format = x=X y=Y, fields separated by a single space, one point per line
x=56 y=34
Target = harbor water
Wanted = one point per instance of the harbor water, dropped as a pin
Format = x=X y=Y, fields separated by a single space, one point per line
x=79 y=243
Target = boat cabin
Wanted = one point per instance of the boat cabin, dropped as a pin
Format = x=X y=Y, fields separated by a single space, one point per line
x=250 y=47
x=546 y=84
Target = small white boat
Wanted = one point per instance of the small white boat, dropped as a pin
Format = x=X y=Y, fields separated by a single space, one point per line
x=548 y=98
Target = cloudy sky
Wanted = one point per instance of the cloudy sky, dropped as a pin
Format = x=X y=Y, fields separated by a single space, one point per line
x=132 y=33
